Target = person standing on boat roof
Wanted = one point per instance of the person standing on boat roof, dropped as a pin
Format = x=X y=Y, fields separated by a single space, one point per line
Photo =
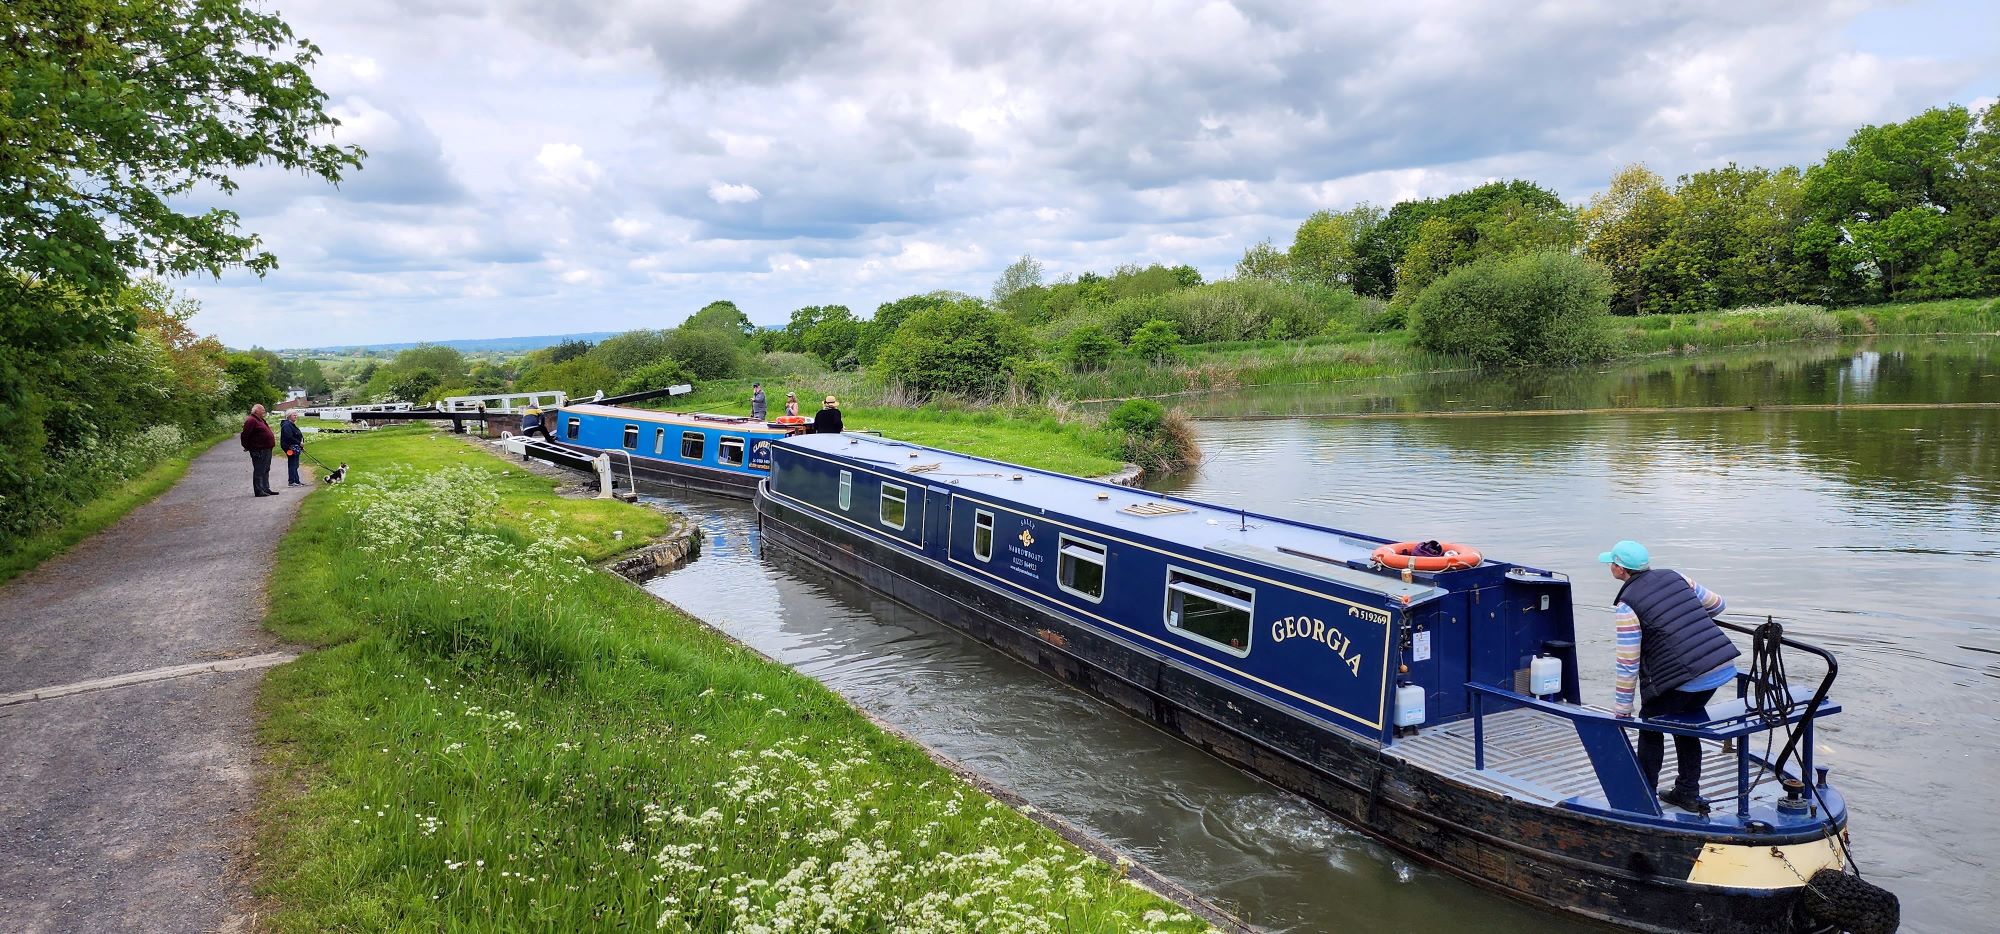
x=757 y=405
x=1673 y=653
x=827 y=420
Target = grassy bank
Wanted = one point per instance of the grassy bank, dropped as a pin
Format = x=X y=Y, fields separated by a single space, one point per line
x=497 y=739
x=1751 y=326
x=102 y=511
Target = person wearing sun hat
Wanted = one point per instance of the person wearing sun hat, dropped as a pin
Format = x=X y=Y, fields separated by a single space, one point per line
x=1671 y=651
x=827 y=420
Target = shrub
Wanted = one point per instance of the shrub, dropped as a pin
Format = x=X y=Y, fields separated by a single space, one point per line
x=656 y=375
x=1156 y=341
x=709 y=353
x=1089 y=348
x=1033 y=379
x=1543 y=308
x=1141 y=415
x=961 y=347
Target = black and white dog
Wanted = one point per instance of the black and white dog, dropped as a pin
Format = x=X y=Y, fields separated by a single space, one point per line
x=338 y=475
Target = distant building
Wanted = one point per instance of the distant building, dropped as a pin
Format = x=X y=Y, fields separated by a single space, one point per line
x=295 y=392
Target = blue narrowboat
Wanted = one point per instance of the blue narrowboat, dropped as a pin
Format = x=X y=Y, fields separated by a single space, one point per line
x=1438 y=711
x=717 y=454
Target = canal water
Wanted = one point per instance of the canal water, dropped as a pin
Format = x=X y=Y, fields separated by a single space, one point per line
x=1875 y=533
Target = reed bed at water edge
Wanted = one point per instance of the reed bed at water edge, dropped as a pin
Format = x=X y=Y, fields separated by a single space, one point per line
x=500 y=737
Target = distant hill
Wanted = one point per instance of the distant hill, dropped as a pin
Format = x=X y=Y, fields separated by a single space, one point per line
x=487 y=344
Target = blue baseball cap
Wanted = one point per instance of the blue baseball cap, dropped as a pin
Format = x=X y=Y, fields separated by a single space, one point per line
x=1627 y=554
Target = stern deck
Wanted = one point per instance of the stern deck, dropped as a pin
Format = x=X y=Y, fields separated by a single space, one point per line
x=1535 y=756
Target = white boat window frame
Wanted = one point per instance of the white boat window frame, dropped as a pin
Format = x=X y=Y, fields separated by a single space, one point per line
x=722 y=449
x=629 y=440
x=575 y=426
x=981 y=519
x=846 y=489
x=1103 y=562
x=659 y=441
x=882 y=506
x=700 y=446
x=1191 y=585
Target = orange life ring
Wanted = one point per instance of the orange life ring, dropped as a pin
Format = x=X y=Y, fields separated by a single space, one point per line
x=789 y=420
x=1398 y=556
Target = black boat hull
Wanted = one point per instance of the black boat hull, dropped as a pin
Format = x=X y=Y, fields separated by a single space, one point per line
x=1605 y=870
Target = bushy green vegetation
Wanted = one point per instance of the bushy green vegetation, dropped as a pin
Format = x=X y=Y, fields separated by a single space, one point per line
x=509 y=741
x=962 y=348
x=1537 y=309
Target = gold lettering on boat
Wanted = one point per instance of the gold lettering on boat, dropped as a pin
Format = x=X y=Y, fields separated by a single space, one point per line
x=1316 y=630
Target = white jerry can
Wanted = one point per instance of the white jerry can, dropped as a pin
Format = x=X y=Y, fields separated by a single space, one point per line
x=1409 y=705
x=1545 y=675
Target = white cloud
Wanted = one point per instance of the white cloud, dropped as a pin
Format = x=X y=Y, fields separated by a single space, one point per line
x=723 y=193
x=620 y=163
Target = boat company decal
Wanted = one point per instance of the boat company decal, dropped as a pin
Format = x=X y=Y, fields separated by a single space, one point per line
x=1023 y=560
x=1316 y=630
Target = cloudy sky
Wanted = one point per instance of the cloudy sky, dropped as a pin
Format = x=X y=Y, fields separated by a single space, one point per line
x=553 y=166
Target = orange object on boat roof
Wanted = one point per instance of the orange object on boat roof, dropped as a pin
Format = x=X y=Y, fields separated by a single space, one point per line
x=789 y=420
x=1402 y=556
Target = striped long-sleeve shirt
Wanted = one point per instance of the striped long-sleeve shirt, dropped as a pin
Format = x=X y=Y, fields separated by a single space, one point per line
x=1629 y=643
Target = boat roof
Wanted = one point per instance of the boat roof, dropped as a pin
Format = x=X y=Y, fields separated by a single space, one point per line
x=698 y=419
x=1296 y=546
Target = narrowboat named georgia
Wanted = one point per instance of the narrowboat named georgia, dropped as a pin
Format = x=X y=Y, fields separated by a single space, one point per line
x=1438 y=711
x=717 y=454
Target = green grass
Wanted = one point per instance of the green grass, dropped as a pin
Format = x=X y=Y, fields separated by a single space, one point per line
x=1028 y=437
x=1784 y=323
x=493 y=752
x=100 y=513
x=1221 y=367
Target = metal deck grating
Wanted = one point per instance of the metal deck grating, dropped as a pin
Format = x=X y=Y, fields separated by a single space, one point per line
x=1154 y=509
x=1535 y=756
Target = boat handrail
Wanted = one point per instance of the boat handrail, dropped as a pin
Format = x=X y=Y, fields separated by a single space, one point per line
x=1611 y=756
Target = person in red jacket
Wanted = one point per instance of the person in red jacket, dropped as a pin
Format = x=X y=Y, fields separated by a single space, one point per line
x=258 y=441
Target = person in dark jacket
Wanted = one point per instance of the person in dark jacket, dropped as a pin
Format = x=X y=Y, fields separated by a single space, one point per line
x=293 y=441
x=1673 y=653
x=257 y=440
x=758 y=406
x=827 y=420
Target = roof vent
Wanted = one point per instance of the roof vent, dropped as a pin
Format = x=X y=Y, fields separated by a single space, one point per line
x=923 y=468
x=1155 y=509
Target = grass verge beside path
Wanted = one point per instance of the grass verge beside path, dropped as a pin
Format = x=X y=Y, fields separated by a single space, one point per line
x=499 y=739
x=100 y=513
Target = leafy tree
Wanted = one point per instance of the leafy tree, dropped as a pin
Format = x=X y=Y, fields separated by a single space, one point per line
x=568 y=350
x=116 y=116
x=1264 y=261
x=1541 y=308
x=1157 y=341
x=708 y=353
x=834 y=340
x=632 y=349
x=722 y=317
x=1623 y=227
x=889 y=316
x=416 y=386
x=1023 y=273
x=1089 y=348
x=309 y=374
x=961 y=347
x=249 y=383
x=1187 y=276
x=1512 y=213
x=1907 y=210
x=1330 y=247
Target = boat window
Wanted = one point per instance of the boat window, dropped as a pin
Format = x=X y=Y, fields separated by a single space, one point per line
x=982 y=535
x=846 y=489
x=1209 y=610
x=729 y=452
x=631 y=437
x=659 y=440
x=894 y=505
x=691 y=445
x=574 y=424
x=1080 y=568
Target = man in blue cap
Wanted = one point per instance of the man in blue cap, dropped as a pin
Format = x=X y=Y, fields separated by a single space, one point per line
x=1673 y=653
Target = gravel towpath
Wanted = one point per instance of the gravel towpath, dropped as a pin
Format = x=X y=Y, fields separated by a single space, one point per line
x=124 y=805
